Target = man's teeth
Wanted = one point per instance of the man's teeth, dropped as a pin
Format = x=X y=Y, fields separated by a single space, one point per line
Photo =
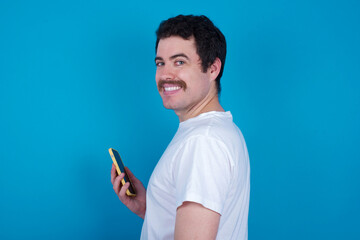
x=171 y=88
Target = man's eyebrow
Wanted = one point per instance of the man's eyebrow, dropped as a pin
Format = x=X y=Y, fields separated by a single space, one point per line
x=172 y=57
x=179 y=55
x=159 y=58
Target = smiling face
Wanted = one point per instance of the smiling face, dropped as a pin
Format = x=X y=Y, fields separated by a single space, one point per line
x=182 y=84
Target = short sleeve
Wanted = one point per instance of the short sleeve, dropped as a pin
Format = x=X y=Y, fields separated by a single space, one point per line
x=202 y=173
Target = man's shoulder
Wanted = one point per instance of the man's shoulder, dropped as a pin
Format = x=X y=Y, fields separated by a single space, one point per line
x=212 y=126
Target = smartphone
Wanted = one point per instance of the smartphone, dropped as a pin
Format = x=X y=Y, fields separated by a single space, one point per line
x=119 y=165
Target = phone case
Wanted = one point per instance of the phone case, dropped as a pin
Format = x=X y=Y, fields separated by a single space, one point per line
x=119 y=171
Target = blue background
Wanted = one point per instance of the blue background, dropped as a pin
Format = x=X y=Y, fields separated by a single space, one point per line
x=77 y=77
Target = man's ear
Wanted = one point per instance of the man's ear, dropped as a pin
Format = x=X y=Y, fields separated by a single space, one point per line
x=215 y=69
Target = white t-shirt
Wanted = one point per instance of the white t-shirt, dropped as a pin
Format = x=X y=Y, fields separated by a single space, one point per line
x=206 y=162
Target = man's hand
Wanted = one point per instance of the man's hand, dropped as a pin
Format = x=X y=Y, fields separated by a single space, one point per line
x=194 y=221
x=136 y=204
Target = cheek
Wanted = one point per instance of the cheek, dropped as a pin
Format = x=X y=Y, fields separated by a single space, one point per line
x=186 y=76
x=199 y=81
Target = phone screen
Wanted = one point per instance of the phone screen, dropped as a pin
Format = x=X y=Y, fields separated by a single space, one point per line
x=122 y=169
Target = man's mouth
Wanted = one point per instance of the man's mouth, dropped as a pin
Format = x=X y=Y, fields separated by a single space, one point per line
x=169 y=87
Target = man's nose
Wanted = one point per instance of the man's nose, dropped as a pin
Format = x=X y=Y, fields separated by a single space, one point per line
x=167 y=73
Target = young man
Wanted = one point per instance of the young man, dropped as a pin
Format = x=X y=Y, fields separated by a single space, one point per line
x=201 y=185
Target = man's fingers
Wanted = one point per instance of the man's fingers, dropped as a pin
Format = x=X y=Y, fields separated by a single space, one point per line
x=117 y=183
x=122 y=193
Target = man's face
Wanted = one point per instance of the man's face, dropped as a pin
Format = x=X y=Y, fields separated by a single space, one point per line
x=182 y=84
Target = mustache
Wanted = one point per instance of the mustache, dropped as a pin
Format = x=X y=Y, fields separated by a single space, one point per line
x=180 y=83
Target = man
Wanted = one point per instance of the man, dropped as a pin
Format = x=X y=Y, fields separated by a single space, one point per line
x=200 y=186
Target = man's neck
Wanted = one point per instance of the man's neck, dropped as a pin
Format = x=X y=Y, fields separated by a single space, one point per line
x=211 y=104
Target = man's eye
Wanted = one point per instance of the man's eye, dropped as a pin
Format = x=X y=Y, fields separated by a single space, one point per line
x=159 y=64
x=179 y=63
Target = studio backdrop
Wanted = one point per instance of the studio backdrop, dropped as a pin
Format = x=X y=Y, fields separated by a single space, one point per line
x=78 y=77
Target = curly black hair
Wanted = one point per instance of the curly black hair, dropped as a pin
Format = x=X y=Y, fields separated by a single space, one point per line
x=210 y=42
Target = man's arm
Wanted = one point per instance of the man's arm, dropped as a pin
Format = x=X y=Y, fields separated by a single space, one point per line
x=194 y=221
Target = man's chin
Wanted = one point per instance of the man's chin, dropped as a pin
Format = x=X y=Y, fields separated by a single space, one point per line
x=169 y=106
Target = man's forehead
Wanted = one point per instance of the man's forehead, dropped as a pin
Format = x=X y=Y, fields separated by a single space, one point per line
x=175 y=45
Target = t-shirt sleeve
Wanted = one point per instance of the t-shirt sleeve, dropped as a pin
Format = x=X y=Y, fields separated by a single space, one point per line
x=202 y=173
